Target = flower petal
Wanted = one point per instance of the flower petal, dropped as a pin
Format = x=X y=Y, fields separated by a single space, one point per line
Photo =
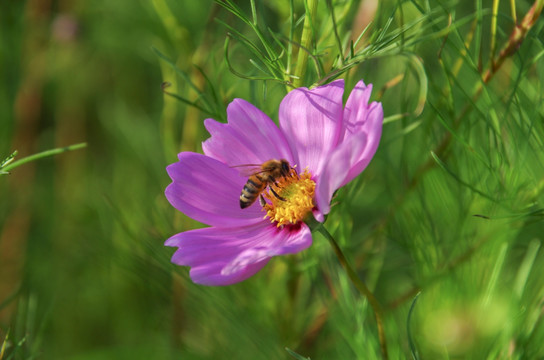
x=363 y=121
x=336 y=171
x=362 y=134
x=357 y=105
x=208 y=191
x=312 y=123
x=224 y=256
x=249 y=137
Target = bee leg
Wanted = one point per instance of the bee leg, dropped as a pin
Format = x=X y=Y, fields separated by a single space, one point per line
x=273 y=181
x=276 y=194
x=261 y=201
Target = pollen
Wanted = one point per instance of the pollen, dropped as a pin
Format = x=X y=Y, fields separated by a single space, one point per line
x=295 y=201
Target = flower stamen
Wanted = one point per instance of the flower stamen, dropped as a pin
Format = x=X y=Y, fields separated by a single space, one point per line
x=291 y=200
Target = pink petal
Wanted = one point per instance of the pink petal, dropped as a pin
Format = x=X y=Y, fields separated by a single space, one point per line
x=353 y=154
x=224 y=256
x=312 y=123
x=357 y=106
x=209 y=191
x=249 y=137
x=363 y=121
x=336 y=171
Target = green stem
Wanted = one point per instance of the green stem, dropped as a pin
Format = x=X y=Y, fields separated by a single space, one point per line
x=360 y=285
x=494 y=30
x=335 y=29
x=305 y=42
x=513 y=10
x=42 y=155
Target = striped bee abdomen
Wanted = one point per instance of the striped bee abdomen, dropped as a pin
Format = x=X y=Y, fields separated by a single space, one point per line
x=251 y=191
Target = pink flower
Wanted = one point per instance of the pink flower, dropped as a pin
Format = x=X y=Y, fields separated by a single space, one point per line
x=328 y=144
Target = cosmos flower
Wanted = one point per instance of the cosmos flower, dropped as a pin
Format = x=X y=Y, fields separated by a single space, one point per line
x=328 y=145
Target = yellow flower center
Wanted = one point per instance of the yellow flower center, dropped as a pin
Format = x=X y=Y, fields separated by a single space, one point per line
x=297 y=193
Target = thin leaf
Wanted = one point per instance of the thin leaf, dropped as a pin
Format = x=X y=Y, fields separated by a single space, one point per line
x=417 y=65
x=413 y=349
x=295 y=355
x=462 y=182
x=187 y=101
x=44 y=154
x=180 y=72
x=525 y=267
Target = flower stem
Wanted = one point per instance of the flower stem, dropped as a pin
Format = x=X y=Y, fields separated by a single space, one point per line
x=40 y=155
x=360 y=285
x=305 y=42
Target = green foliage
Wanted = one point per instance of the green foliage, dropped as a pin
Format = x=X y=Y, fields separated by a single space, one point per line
x=8 y=163
x=295 y=355
x=451 y=207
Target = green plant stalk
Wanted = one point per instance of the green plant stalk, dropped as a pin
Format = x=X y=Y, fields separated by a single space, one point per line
x=3 y=348
x=336 y=36
x=5 y=162
x=516 y=38
x=360 y=285
x=291 y=38
x=305 y=42
x=42 y=155
x=513 y=10
x=411 y=342
x=494 y=29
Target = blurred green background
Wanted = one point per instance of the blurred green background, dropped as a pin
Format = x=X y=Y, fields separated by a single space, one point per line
x=83 y=270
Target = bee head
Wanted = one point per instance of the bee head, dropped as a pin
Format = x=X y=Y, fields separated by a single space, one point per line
x=285 y=167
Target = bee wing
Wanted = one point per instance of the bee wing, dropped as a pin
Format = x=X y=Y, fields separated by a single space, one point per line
x=248 y=169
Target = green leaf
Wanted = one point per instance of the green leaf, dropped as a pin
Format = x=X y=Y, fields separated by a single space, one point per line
x=41 y=155
x=295 y=355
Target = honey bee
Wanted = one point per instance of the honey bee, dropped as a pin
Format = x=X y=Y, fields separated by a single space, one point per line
x=262 y=176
